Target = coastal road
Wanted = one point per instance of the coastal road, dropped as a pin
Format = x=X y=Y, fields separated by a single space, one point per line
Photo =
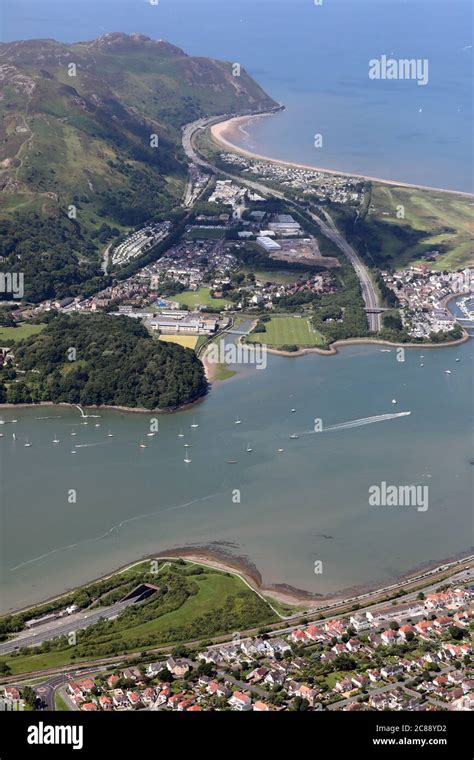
x=62 y=627
x=326 y=225
x=369 y=294
x=462 y=573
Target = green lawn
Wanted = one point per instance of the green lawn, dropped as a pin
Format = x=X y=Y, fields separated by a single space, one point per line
x=338 y=675
x=201 y=297
x=283 y=331
x=20 y=332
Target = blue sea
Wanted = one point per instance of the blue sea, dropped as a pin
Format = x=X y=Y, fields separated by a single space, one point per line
x=314 y=60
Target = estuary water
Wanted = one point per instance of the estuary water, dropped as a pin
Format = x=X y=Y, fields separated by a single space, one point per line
x=69 y=518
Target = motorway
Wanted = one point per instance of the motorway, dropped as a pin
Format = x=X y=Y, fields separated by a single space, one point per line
x=326 y=225
x=62 y=626
x=369 y=293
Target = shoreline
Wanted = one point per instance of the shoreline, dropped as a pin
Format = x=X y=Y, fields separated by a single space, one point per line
x=220 y=134
x=224 y=561
x=210 y=372
x=332 y=350
x=137 y=409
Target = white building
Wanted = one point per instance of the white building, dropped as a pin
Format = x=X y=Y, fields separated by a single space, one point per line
x=268 y=244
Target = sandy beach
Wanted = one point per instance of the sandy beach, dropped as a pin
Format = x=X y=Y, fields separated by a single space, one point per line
x=225 y=132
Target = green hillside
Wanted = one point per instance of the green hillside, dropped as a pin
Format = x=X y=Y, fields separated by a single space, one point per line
x=85 y=157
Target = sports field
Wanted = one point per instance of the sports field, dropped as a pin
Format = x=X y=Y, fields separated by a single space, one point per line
x=285 y=331
x=200 y=297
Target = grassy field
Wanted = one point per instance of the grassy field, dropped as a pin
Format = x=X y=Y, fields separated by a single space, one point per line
x=281 y=331
x=201 y=297
x=444 y=219
x=207 y=233
x=187 y=341
x=20 y=332
x=59 y=703
x=280 y=277
x=216 y=590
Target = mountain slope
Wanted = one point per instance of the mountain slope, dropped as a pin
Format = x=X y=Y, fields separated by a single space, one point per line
x=97 y=126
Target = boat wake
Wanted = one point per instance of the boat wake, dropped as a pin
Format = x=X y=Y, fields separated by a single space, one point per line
x=358 y=423
x=84 y=415
x=86 y=445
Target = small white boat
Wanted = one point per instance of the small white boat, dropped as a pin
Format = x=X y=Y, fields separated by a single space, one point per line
x=458 y=360
x=187 y=458
x=248 y=449
x=110 y=435
x=293 y=411
x=448 y=371
x=14 y=436
x=27 y=444
x=142 y=445
x=394 y=400
x=385 y=350
x=55 y=440
x=195 y=424
x=1 y=435
x=74 y=451
x=187 y=445
x=181 y=434
x=150 y=435
x=238 y=422
x=422 y=365
x=293 y=436
x=97 y=424
x=73 y=432
x=280 y=450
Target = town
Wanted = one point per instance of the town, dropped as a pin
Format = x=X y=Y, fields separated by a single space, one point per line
x=413 y=655
x=320 y=185
x=423 y=295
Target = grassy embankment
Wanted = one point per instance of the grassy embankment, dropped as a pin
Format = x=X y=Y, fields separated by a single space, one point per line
x=193 y=602
x=60 y=705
